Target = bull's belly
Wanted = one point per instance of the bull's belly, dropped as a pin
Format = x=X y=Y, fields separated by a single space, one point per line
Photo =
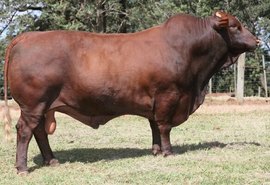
x=102 y=108
x=91 y=120
x=94 y=118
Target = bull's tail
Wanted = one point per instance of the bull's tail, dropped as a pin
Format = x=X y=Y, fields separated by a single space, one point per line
x=7 y=117
x=7 y=122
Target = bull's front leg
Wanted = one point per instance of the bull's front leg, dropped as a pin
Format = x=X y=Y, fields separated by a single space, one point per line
x=161 y=138
x=156 y=140
x=164 y=108
x=166 y=146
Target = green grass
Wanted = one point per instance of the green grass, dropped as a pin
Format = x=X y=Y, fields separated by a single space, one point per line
x=231 y=148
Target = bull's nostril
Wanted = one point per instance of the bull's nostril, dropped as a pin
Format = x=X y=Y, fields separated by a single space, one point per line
x=258 y=41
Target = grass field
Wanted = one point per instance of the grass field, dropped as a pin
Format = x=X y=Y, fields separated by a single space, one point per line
x=220 y=144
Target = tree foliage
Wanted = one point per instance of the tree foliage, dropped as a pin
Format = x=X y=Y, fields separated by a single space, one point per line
x=112 y=16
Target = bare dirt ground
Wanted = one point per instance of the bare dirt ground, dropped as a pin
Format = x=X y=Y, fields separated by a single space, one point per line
x=213 y=104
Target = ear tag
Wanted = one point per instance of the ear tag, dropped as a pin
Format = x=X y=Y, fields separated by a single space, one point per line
x=218 y=14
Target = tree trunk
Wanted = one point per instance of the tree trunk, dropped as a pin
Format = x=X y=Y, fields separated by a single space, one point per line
x=101 y=16
x=123 y=17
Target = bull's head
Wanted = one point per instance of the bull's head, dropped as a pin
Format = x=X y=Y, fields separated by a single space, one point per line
x=237 y=37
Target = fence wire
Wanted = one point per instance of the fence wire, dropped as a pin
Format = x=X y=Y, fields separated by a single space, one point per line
x=254 y=83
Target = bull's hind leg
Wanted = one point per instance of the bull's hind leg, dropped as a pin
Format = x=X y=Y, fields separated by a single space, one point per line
x=27 y=126
x=43 y=143
x=24 y=135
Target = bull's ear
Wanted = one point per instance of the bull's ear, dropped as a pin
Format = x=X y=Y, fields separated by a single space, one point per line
x=221 y=20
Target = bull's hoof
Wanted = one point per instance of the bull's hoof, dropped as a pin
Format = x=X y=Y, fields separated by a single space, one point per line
x=156 y=150
x=52 y=163
x=22 y=173
x=167 y=153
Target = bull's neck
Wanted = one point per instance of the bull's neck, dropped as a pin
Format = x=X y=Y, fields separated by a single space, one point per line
x=208 y=57
x=201 y=50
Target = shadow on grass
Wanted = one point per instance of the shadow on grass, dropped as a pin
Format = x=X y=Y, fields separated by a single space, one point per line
x=91 y=155
x=181 y=149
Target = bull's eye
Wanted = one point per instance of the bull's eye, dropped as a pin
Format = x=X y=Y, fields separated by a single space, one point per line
x=235 y=28
x=239 y=28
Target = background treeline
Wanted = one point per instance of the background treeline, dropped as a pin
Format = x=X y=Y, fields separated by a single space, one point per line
x=113 y=16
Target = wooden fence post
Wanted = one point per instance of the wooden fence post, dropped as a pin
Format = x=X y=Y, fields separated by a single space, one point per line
x=210 y=86
x=240 y=78
x=264 y=77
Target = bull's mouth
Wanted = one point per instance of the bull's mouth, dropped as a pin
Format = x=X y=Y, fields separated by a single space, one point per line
x=246 y=48
x=251 y=48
